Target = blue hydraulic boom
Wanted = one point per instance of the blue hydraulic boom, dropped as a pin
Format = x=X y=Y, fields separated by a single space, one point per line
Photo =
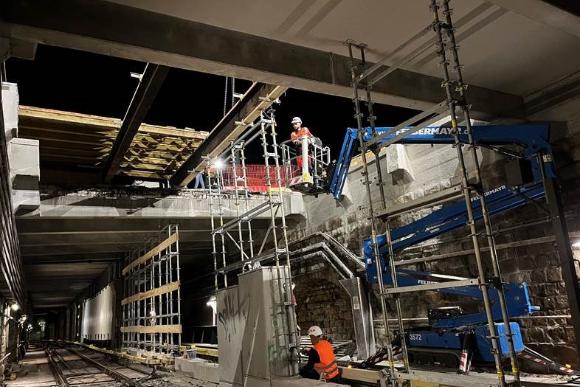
x=531 y=141
x=528 y=142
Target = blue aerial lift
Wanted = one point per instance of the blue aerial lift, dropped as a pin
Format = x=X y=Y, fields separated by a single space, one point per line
x=449 y=326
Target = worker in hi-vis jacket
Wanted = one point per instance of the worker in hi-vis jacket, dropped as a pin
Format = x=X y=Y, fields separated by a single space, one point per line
x=298 y=132
x=321 y=360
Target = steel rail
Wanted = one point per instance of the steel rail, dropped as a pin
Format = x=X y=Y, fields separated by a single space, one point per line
x=109 y=371
x=56 y=370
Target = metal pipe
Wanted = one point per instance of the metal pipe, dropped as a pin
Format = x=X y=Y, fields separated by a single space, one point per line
x=347 y=273
x=291 y=312
x=221 y=218
x=240 y=246
x=561 y=236
x=266 y=154
x=467 y=196
x=484 y=210
x=357 y=261
x=380 y=184
x=247 y=199
x=378 y=260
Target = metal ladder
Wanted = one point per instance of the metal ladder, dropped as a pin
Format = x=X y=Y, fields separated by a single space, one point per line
x=263 y=130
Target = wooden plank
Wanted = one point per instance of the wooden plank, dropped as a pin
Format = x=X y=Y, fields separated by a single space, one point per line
x=168 y=288
x=151 y=253
x=106 y=123
x=151 y=329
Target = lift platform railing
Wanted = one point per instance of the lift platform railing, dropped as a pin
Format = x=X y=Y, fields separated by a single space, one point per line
x=305 y=161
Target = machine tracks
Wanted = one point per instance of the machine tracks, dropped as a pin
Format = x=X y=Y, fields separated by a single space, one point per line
x=83 y=367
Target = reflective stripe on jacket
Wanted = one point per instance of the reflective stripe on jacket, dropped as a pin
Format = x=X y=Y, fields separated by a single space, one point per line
x=327 y=360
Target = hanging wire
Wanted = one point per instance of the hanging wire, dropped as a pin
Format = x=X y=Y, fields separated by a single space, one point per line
x=233 y=91
x=225 y=96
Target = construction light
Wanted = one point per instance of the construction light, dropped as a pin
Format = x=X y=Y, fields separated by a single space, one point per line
x=212 y=303
x=219 y=164
x=14 y=307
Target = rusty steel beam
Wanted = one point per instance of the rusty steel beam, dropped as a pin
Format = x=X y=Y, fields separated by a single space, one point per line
x=259 y=97
x=145 y=94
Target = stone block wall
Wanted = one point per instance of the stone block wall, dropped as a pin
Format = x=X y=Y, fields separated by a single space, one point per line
x=321 y=300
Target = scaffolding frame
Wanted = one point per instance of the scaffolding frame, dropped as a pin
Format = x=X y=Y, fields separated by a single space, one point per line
x=244 y=244
x=363 y=77
x=151 y=304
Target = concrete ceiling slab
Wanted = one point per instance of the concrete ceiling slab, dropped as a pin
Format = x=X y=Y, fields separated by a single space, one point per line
x=512 y=46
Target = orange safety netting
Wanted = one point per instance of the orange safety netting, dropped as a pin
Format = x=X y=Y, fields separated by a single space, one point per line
x=256 y=177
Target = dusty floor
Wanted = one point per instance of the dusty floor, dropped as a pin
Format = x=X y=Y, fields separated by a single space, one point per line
x=35 y=372
x=178 y=381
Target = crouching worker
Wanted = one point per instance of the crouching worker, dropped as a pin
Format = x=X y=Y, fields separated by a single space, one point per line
x=321 y=360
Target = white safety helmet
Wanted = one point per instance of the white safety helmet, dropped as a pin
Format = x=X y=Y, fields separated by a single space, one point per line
x=296 y=119
x=315 y=331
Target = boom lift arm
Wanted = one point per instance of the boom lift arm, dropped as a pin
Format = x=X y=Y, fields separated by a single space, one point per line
x=533 y=143
x=532 y=138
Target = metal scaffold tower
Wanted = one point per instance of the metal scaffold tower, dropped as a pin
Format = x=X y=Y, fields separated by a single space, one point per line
x=456 y=107
x=151 y=308
x=229 y=179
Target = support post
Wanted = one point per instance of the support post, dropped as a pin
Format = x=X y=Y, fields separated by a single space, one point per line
x=461 y=88
x=374 y=231
x=560 y=229
x=452 y=104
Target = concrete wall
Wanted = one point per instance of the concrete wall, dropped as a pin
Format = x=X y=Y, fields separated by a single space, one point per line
x=434 y=168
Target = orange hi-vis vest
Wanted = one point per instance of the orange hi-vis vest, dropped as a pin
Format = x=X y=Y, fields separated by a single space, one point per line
x=298 y=134
x=327 y=363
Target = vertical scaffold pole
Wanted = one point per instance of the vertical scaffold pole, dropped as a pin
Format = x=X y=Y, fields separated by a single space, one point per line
x=247 y=200
x=233 y=154
x=374 y=232
x=381 y=185
x=219 y=185
x=214 y=252
x=452 y=104
x=293 y=340
x=284 y=288
x=461 y=89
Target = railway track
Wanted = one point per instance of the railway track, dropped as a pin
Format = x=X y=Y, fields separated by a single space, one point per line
x=83 y=367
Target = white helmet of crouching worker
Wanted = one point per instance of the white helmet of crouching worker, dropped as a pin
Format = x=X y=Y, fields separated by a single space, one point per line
x=315 y=331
